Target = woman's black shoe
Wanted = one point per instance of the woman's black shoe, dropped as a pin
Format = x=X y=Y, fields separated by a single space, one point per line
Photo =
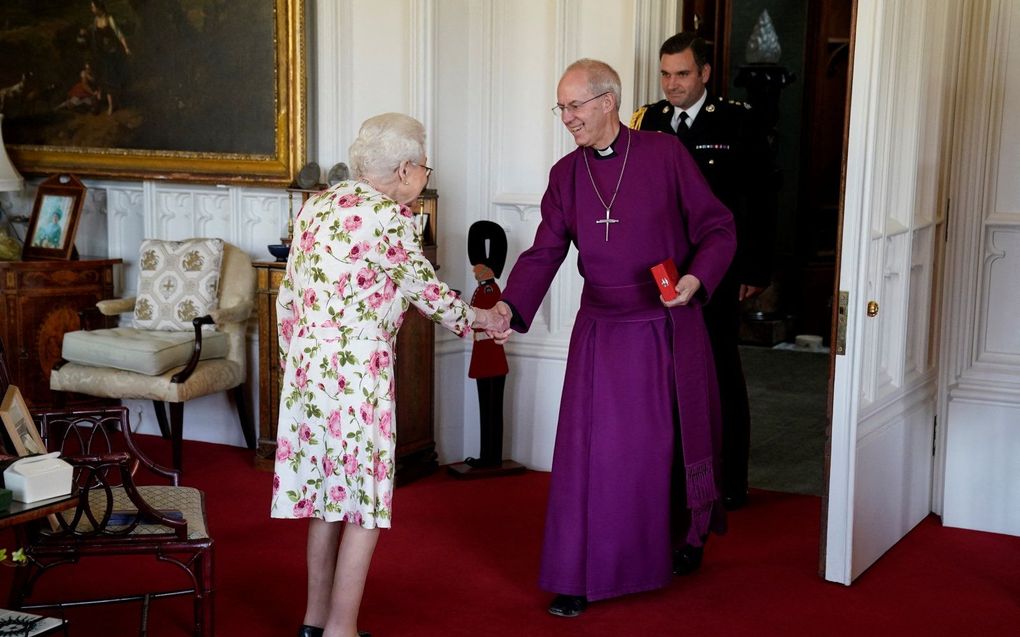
x=687 y=559
x=568 y=605
x=314 y=631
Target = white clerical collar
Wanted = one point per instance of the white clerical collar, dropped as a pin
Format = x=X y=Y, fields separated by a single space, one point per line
x=692 y=112
x=607 y=152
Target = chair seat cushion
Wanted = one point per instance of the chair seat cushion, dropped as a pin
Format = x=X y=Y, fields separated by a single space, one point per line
x=147 y=352
x=185 y=503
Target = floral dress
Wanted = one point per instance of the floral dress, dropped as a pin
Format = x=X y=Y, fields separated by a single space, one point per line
x=355 y=265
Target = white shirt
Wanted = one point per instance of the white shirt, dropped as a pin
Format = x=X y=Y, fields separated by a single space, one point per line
x=692 y=112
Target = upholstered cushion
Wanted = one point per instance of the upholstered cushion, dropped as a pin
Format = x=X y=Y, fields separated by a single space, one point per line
x=148 y=352
x=211 y=376
x=185 y=503
x=177 y=282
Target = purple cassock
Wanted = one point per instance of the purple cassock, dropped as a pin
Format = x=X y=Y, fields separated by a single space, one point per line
x=637 y=373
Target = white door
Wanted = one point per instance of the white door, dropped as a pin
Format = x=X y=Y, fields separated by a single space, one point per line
x=893 y=229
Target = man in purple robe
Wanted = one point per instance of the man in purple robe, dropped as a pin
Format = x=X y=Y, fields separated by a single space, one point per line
x=638 y=422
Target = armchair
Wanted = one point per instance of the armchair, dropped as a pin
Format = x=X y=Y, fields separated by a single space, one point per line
x=168 y=366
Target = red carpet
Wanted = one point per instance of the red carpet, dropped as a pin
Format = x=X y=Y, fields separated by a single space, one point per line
x=462 y=559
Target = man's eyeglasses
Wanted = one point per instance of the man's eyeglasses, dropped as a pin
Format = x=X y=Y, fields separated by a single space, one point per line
x=572 y=107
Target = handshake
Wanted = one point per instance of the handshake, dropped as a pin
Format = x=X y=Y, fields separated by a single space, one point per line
x=495 y=322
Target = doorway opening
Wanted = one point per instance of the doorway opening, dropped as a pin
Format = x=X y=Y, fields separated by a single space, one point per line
x=786 y=332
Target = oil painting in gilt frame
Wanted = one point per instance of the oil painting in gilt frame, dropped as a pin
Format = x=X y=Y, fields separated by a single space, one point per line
x=188 y=90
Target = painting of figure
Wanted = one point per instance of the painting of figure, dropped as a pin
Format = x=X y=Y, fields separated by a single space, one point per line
x=152 y=85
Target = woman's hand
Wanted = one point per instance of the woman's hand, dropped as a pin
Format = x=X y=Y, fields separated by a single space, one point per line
x=492 y=321
x=686 y=287
x=495 y=322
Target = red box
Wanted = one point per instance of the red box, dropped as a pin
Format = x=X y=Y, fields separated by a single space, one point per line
x=666 y=278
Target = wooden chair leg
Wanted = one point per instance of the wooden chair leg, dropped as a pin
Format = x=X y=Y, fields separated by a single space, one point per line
x=164 y=427
x=244 y=414
x=208 y=599
x=177 y=433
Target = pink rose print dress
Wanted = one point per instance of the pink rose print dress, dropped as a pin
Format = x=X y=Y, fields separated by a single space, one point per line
x=355 y=265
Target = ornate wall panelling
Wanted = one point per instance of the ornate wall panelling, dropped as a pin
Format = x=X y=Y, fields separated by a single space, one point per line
x=655 y=20
x=981 y=372
x=999 y=333
x=333 y=123
x=987 y=52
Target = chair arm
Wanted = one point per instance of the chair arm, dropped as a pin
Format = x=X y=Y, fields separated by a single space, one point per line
x=196 y=353
x=232 y=314
x=113 y=307
x=93 y=474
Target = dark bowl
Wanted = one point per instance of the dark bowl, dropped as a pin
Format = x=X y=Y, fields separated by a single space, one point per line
x=279 y=251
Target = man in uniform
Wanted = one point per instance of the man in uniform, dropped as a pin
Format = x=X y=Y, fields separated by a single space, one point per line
x=733 y=155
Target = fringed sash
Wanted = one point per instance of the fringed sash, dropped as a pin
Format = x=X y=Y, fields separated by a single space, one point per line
x=640 y=302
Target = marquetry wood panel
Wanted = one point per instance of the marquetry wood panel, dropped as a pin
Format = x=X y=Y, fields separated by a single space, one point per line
x=41 y=301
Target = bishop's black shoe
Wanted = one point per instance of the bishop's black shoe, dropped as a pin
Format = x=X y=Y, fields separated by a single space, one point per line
x=687 y=559
x=568 y=605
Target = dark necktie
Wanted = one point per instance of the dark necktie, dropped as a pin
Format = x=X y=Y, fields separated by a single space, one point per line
x=682 y=129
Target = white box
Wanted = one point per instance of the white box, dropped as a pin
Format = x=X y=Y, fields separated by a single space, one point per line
x=39 y=478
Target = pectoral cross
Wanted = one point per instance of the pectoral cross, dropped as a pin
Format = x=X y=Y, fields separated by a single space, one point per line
x=607 y=221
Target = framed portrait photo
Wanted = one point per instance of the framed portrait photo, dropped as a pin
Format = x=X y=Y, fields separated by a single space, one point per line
x=54 y=219
x=19 y=424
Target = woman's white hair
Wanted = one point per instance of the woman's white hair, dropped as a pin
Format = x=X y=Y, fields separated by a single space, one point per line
x=384 y=141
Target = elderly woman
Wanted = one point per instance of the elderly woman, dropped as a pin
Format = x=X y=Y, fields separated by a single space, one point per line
x=355 y=266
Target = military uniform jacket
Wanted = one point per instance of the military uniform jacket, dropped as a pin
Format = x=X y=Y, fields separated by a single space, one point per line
x=736 y=161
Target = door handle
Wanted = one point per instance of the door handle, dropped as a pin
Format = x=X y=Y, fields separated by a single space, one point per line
x=872 y=309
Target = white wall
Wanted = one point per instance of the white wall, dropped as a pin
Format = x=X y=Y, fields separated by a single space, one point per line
x=980 y=386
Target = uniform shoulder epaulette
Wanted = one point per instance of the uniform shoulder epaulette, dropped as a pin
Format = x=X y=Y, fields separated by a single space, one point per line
x=639 y=114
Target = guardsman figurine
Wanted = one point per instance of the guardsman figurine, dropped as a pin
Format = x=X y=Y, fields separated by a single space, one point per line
x=487 y=248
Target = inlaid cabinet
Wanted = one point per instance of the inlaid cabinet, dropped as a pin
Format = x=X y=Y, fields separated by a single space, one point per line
x=41 y=301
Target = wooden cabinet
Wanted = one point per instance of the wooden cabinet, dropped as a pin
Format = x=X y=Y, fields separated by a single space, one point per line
x=415 y=374
x=41 y=301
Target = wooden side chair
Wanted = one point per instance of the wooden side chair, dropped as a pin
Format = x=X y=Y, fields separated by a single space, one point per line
x=167 y=356
x=115 y=516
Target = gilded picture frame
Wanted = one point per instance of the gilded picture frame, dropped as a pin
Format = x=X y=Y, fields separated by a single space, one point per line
x=204 y=91
x=54 y=220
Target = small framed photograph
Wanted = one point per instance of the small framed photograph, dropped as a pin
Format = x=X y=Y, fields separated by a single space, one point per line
x=54 y=220
x=19 y=424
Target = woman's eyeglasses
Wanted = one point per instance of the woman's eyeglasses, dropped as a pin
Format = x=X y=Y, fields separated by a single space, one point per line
x=428 y=170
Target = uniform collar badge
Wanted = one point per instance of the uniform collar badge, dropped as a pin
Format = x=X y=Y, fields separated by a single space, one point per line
x=710 y=108
x=665 y=109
